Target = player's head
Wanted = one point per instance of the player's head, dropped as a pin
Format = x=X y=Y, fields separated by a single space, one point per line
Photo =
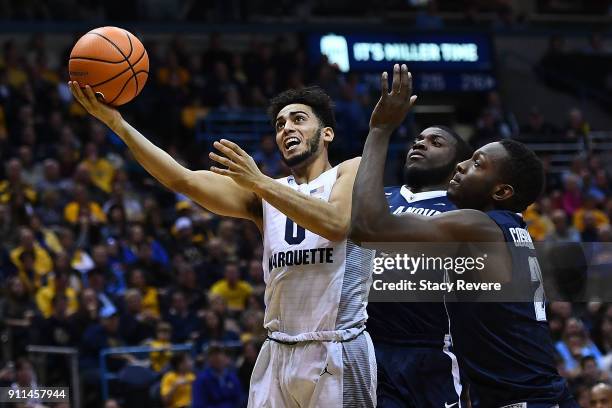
x=434 y=156
x=304 y=122
x=503 y=175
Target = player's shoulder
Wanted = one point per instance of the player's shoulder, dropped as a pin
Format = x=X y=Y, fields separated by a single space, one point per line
x=470 y=224
x=349 y=166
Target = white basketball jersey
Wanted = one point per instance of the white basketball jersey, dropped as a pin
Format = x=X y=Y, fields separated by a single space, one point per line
x=316 y=289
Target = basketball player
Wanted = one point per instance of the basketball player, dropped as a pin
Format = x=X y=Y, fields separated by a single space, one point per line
x=407 y=334
x=317 y=353
x=505 y=348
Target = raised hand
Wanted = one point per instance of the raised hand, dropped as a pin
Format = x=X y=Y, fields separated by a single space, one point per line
x=392 y=107
x=93 y=106
x=240 y=165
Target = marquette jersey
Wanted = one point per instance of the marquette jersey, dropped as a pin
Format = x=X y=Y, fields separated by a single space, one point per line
x=413 y=324
x=506 y=348
x=316 y=289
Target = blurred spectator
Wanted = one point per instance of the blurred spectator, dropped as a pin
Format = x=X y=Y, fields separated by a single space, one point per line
x=218 y=384
x=590 y=372
x=214 y=331
x=247 y=364
x=15 y=183
x=267 y=156
x=135 y=325
x=111 y=403
x=577 y=128
x=572 y=196
x=176 y=384
x=183 y=321
x=83 y=210
x=588 y=209
x=537 y=127
x=57 y=286
x=575 y=345
x=150 y=295
x=32 y=261
x=17 y=311
x=234 y=290
x=601 y=396
x=163 y=334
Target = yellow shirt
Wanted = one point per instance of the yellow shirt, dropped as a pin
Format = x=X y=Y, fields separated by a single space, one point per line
x=600 y=218
x=5 y=192
x=159 y=358
x=71 y=212
x=235 y=297
x=44 y=300
x=537 y=225
x=182 y=395
x=150 y=302
x=102 y=173
x=42 y=265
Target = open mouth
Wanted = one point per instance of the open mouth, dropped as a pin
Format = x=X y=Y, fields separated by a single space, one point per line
x=455 y=180
x=291 y=143
x=416 y=156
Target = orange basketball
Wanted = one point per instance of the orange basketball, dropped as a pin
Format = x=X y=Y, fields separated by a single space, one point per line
x=112 y=61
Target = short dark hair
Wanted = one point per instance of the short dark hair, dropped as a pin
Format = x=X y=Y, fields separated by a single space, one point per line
x=176 y=360
x=524 y=171
x=463 y=150
x=313 y=96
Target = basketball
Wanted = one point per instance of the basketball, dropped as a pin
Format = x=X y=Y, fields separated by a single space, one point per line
x=112 y=61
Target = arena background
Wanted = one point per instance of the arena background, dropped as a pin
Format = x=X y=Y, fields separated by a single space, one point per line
x=140 y=267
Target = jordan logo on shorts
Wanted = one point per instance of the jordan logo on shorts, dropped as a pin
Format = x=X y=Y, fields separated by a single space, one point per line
x=325 y=371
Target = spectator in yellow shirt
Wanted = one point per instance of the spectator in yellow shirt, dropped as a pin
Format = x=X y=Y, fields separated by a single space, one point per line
x=82 y=206
x=101 y=170
x=176 y=384
x=588 y=207
x=150 y=296
x=39 y=265
x=15 y=183
x=234 y=290
x=57 y=285
x=159 y=359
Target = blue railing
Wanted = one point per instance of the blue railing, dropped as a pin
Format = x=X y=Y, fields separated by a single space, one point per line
x=106 y=376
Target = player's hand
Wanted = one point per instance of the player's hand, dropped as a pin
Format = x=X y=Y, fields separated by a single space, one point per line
x=240 y=165
x=93 y=105
x=392 y=107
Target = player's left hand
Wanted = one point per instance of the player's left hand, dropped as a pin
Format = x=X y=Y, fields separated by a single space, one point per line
x=392 y=107
x=240 y=165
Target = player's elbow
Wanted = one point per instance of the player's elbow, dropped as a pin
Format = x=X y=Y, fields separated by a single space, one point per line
x=360 y=230
x=337 y=231
x=184 y=184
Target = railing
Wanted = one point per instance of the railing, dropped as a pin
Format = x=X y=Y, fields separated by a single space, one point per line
x=562 y=153
x=241 y=125
x=73 y=355
x=106 y=376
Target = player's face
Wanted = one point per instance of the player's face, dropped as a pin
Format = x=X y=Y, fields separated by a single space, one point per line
x=431 y=159
x=476 y=180
x=298 y=134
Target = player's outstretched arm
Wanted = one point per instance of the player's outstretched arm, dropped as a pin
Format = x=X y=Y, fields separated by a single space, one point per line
x=214 y=192
x=370 y=218
x=329 y=219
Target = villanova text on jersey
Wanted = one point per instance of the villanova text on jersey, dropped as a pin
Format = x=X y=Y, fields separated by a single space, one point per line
x=413 y=323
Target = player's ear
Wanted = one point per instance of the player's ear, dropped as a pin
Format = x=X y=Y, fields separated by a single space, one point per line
x=503 y=192
x=328 y=134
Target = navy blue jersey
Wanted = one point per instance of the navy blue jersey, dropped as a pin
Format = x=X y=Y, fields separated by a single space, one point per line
x=411 y=323
x=505 y=348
